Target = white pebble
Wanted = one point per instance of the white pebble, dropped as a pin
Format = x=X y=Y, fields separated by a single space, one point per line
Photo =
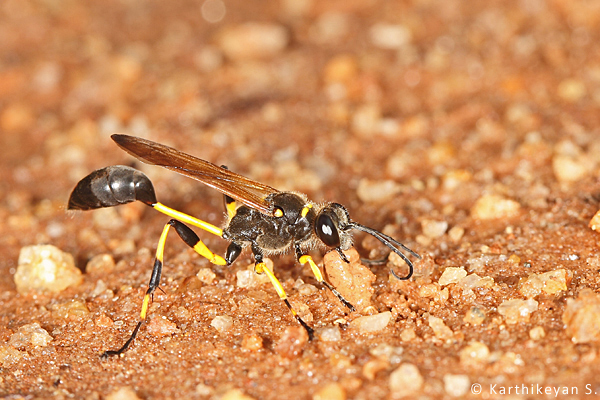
x=372 y=323
x=405 y=380
x=452 y=275
x=222 y=323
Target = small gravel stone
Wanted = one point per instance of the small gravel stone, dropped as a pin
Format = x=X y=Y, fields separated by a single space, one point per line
x=372 y=323
x=517 y=310
x=353 y=280
x=331 y=391
x=100 y=264
x=372 y=367
x=452 y=275
x=456 y=385
x=433 y=229
x=46 y=268
x=253 y=40
x=475 y=355
x=550 y=282
x=582 y=317
x=30 y=335
x=408 y=334
x=475 y=316
x=73 y=310
x=389 y=36
x=222 y=323
x=161 y=327
x=473 y=281
x=456 y=233
x=440 y=329
x=405 y=380
x=491 y=206
x=330 y=334
x=291 y=344
x=252 y=342
x=123 y=393
x=595 y=222
x=206 y=276
x=377 y=191
x=537 y=333
x=568 y=169
x=235 y=394
x=248 y=278
x=9 y=356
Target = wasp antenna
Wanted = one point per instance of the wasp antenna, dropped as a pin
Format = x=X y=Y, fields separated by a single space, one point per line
x=393 y=244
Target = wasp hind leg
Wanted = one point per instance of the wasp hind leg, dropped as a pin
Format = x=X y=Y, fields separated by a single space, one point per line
x=305 y=258
x=260 y=268
x=191 y=239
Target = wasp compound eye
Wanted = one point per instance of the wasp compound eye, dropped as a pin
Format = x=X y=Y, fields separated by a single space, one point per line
x=327 y=231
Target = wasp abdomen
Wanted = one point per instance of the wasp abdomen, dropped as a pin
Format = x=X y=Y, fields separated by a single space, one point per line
x=112 y=186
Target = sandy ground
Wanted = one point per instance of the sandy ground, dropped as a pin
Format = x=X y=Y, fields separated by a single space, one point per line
x=466 y=130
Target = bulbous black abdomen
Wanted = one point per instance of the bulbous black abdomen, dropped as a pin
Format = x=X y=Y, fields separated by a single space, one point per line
x=112 y=186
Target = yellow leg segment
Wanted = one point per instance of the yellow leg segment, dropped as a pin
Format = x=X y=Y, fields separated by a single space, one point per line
x=188 y=219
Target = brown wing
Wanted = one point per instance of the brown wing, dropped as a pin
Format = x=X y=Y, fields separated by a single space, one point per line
x=247 y=191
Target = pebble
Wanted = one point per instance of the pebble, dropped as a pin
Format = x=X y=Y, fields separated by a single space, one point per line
x=595 y=222
x=550 y=282
x=405 y=380
x=389 y=36
x=353 y=280
x=433 y=229
x=475 y=354
x=372 y=367
x=9 y=355
x=492 y=206
x=222 y=323
x=440 y=329
x=248 y=278
x=408 y=334
x=473 y=281
x=569 y=169
x=30 y=335
x=253 y=40
x=372 y=323
x=475 y=316
x=537 y=333
x=73 y=310
x=161 y=327
x=377 y=191
x=456 y=385
x=206 y=276
x=331 y=391
x=46 y=268
x=517 y=310
x=252 y=342
x=291 y=344
x=235 y=394
x=455 y=179
x=100 y=264
x=582 y=317
x=123 y=393
x=452 y=275
x=330 y=334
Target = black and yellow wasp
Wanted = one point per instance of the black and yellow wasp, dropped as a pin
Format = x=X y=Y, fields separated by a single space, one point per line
x=260 y=217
